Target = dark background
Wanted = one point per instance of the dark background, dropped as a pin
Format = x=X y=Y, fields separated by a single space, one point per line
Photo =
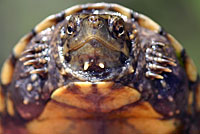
x=181 y=18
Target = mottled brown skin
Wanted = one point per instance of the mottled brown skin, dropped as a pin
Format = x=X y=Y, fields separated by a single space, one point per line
x=100 y=72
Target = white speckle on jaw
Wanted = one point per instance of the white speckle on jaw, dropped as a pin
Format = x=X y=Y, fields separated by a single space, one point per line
x=62 y=33
x=140 y=87
x=36 y=84
x=163 y=83
x=37 y=97
x=61 y=56
x=170 y=98
x=44 y=39
x=101 y=65
x=25 y=101
x=159 y=96
x=29 y=87
x=33 y=77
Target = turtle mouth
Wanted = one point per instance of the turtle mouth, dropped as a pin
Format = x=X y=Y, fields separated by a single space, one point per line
x=95 y=61
x=94 y=67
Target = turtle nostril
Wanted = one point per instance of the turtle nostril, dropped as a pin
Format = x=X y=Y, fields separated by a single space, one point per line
x=94 y=21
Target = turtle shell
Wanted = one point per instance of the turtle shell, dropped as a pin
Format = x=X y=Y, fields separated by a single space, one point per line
x=99 y=69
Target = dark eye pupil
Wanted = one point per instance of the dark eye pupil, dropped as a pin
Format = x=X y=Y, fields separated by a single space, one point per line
x=121 y=29
x=70 y=29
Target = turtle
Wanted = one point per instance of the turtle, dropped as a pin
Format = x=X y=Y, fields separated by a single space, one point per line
x=99 y=68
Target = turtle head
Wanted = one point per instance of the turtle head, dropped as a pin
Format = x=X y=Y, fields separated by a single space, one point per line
x=94 y=46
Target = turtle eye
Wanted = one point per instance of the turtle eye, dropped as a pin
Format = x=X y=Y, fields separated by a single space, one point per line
x=119 y=29
x=117 y=26
x=70 y=29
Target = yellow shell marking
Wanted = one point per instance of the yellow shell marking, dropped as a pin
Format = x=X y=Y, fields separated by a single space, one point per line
x=190 y=102
x=10 y=106
x=2 y=101
x=142 y=110
x=119 y=98
x=87 y=100
x=123 y=10
x=198 y=97
x=64 y=96
x=189 y=65
x=48 y=22
x=146 y=22
x=72 y=10
x=136 y=119
x=153 y=126
x=7 y=72
x=84 y=87
x=177 y=46
x=21 y=45
x=104 y=87
x=118 y=8
x=191 y=69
